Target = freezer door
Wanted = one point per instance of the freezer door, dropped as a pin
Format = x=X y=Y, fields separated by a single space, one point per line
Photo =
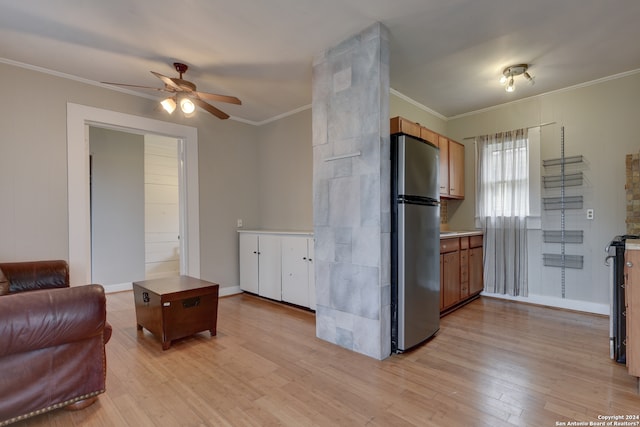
x=418 y=274
x=418 y=168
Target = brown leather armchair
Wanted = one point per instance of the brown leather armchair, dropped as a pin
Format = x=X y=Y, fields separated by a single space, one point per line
x=52 y=340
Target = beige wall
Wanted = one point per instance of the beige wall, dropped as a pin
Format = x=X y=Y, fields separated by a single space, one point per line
x=399 y=106
x=601 y=123
x=33 y=170
x=285 y=174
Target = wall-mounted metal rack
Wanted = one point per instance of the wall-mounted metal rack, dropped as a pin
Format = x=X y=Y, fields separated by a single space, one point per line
x=557 y=203
x=558 y=236
x=554 y=182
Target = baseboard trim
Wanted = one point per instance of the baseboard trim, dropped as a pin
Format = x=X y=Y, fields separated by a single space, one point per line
x=555 y=302
x=229 y=290
x=120 y=287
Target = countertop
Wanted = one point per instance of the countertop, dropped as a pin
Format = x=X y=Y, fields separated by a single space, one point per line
x=462 y=233
x=632 y=245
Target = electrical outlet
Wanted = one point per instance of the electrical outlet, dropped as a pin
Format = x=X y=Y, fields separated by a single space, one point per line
x=239 y=222
x=589 y=213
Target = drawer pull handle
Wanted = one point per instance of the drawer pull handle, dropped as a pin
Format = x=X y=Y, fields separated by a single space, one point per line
x=145 y=297
x=629 y=264
x=191 y=302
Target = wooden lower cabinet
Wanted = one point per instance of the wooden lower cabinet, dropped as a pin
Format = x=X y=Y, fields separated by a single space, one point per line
x=476 y=272
x=461 y=274
x=632 y=303
x=451 y=278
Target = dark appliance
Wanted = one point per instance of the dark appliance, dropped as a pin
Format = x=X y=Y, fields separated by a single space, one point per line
x=415 y=242
x=617 y=319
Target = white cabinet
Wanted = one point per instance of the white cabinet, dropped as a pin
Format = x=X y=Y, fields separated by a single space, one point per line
x=278 y=266
x=260 y=265
x=298 y=281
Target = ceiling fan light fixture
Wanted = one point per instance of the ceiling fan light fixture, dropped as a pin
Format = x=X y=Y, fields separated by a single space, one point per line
x=169 y=105
x=187 y=106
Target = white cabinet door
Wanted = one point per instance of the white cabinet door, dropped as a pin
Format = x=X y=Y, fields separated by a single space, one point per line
x=295 y=270
x=269 y=267
x=311 y=273
x=249 y=262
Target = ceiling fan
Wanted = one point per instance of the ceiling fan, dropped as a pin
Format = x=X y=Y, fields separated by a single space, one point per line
x=184 y=93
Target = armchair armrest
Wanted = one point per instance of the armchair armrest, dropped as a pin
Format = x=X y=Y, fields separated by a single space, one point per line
x=32 y=275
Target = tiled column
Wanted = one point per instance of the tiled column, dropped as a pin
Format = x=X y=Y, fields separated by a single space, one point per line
x=351 y=193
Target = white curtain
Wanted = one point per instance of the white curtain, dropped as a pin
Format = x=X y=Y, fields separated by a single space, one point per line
x=502 y=206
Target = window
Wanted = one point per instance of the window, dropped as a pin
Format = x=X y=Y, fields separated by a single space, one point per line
x=503 y=175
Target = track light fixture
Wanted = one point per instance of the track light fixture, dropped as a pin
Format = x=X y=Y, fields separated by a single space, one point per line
x=515 y=70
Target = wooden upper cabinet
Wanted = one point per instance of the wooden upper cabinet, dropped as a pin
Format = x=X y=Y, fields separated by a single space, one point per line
x=443 y=143
x=407 y=127
x=451 y=156
x=429 y=135
x=456 y=170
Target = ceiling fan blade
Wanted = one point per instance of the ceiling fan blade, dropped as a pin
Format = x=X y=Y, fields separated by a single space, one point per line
x=210 y=108
x=166 y=80
x=220 y=98
x=135 y=86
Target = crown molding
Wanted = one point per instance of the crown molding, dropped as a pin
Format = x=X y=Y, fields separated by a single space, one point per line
x=417 y=104
x=553 y=92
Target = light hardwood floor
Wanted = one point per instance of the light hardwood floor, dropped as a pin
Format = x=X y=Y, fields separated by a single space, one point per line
x=493 y=363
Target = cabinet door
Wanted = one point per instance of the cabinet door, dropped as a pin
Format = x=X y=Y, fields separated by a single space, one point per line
x=464 y=273
x=269 y=267
x=443 y=143
x=476 y=281
x=249 y=262
x=295 y=271
x=456 y=170
x=311 y=270
x=451 y=285
x=632 y=296
x=441 y=282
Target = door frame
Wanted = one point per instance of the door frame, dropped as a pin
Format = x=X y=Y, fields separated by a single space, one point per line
x=81 y=116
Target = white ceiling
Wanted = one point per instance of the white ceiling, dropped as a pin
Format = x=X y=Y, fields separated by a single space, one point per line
x=445 y=54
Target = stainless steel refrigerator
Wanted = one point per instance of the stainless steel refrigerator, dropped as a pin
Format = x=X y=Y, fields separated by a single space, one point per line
x=415 y=242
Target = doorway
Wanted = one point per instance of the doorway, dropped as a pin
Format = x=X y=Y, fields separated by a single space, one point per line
x=134 y=199
x=78 y=119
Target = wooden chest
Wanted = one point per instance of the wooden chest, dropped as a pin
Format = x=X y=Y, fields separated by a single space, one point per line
x=176 y=307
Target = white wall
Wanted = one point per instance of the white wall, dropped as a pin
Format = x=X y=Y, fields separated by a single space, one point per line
x=161 y=207
x=601 y=123
x=117 y=206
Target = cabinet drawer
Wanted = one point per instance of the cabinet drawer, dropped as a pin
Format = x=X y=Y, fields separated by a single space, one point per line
x=449 y=245
x=475 y=241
